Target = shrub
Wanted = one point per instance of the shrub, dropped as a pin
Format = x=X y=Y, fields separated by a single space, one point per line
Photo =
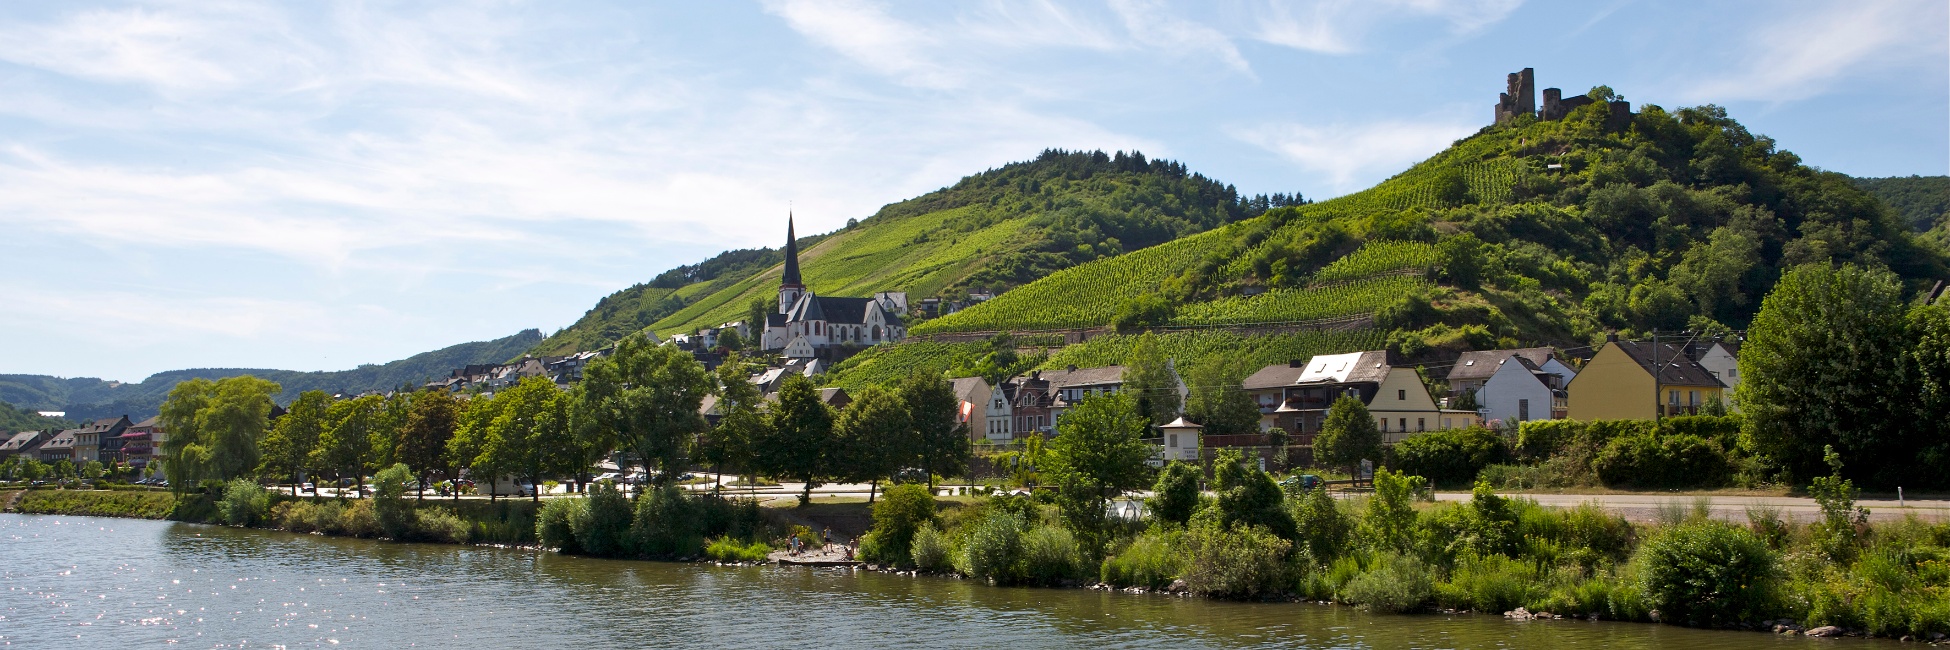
x=666 y=524
x=725 y=549
x=994 y=548
x=932 y=551
x=1324 y=528
x=1177 y=494
x=1676 y=460
x=244 y=503
x=1238 y=563
x=1151 y=560
x=1390 y=520
x=1396 y=583
x=356 y=519
x=603 y=527
x=1489 y=584
x=1708 y=572
x=899 y=513
x=555 y=526
x=1050 y=556
x=395 y=515
x=440 y=525
x=1540 y=439
x=1451 y=457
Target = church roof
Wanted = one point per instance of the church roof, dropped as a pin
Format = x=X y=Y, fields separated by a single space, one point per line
x=791 y=255
x=839 y=311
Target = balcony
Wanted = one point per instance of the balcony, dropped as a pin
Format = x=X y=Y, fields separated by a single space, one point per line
x=1674 y=410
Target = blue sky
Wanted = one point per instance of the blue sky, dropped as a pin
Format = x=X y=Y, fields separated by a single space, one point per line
x=318 y=185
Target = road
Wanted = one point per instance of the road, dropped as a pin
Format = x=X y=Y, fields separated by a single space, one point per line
x=1646 y=507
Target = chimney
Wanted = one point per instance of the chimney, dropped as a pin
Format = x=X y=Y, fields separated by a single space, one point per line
x=1296 y=363
x=1611 y=337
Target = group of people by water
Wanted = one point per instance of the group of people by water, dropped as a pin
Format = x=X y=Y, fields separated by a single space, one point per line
x=797 y=547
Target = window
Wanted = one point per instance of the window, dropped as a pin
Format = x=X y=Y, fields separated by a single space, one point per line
x=1692 y=397
x=1384 y=425
x=1404 y=425
x=1523 y=410
x=1445 y=423
x=1174 y=440
x=1421 y=424
x=1672 y=396
x=1402 y=395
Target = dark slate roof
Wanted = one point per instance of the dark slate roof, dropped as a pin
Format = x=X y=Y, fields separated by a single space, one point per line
x=1480 y=364
x=1276 y=376
x=22 y=441
x=64 y=439
x=1676 y=369
x=839 y=311
x=1107 y=375
x=105 y=425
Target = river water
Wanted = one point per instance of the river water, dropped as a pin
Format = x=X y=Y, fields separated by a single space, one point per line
x=84 y=582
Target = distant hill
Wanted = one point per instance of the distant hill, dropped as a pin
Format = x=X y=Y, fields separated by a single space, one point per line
x=87 y=398
x=14 y=419
x=994 y=230
x=1923 y=202
x=1530 y=232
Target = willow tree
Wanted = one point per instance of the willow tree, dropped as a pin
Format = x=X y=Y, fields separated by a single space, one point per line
x=215 y=428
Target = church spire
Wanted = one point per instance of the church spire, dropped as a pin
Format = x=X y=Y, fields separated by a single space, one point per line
x=791 y=255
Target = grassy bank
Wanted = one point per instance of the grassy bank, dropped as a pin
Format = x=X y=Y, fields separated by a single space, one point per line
x=96 y=503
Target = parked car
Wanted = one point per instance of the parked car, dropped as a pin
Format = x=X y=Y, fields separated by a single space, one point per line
x=1302 y=482
x=307 y=488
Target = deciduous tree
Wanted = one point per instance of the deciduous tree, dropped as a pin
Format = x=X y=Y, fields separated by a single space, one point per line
x=649 y=395
x=939 y=443
x=798 y=443
x=215 y=428
x=1348 y=436
x=288 y=448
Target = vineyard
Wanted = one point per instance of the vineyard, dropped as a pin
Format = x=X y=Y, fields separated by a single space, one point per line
x=1295 y=305
x=1192 y=347
x=1378 y=258
x=885 y=364
x=1081 y=296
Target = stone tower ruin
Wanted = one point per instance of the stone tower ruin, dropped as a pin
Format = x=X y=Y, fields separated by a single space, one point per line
x=1519 y=98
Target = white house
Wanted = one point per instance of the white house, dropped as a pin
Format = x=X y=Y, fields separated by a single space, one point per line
x=1297 y=396
x=1721 y=358
x=1520 y=391
x=1178 y=441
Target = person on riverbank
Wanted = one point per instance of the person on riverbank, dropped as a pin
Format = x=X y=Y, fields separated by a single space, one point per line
x=826 y=539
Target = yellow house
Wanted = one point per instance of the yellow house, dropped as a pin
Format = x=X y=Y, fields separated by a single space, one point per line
x=1619 y=383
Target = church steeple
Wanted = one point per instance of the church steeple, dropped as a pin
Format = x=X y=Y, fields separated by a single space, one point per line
x=790 y=288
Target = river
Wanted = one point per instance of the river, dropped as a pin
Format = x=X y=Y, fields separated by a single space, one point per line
x=84 y=582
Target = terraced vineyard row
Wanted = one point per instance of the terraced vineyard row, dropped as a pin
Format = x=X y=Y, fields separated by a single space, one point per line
x=1376 y=258
x=1294 y=305
x=1081 y=296
x=1192 y=347
x=886 y=364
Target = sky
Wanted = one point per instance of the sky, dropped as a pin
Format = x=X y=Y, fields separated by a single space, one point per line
x=314 y=186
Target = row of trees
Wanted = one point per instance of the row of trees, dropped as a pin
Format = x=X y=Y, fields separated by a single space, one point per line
x=644 y=401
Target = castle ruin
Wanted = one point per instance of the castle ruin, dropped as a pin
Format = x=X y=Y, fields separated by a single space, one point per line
x=1520 y=98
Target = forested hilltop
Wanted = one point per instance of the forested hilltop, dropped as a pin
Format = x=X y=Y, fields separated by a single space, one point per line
x=1923 y=202
x=1527 y=232
x=88 y=398
x=994 y=230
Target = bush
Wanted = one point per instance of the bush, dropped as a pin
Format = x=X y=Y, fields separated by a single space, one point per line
x=603 y=529
x=1151 y=560
x=1540 y=439
x=144 y=505
x=932 y=551
x=440 y=525
x=1050 y=556
x=1237 y=563
x=1177 y=494
x=1491 y=584
x=725 y=549
x=1676 y=460
x=994 y=548
x=666 y=525
x=899 y=513
x=1451 y=457
x=1325 y=529
x=244 y=503
x=396 y=516
x=555 y=526
x=1391 y=519
x=1396 y=583
x=1708 y=572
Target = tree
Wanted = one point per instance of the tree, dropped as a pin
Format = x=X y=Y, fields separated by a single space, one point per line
x=517 y=439
x=1247 y=495
x=728 y=339
x=470 y=437
x=650 y=396
x=1928 y=370
x=1098 y=453
x=215 y=428
x=423 y=439
x=1348 y=436
x=741 y=420
x=940 y=444
x=1148 y=375
x=1217 y=401
x=1462 y=260
x=798 y=443
x=873 y=438
x=346 y=444
x=1818 y=369
x=288 y=448
x=1176 y=493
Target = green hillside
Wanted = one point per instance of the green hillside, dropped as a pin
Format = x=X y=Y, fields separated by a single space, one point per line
x=1531 y=232
x=995 y=230
x=1923 y=202
x=88 y=398
x=14 y=419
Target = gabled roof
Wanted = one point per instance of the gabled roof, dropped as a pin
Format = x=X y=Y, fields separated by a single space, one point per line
x=1480 y=364
x=22 y=441
x=1676 y=369
x=1074 y=377
x=840 y=311
x=1274 y=376
x=972 y=389
x=104 y=425
x=64 y=439
x=1351 y=368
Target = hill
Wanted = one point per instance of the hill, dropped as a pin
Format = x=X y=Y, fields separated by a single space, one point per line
x=14 y=419
x=87 y=398
x=1528 y=232
x=994 y=230
x=1923 y=202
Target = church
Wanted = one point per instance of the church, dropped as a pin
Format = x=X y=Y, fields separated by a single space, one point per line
x=809 y=325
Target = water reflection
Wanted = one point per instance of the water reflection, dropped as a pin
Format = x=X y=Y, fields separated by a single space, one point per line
x=84 y=582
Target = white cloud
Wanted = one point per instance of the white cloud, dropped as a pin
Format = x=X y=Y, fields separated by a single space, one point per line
x=863 y=31
x=1354 y=156
x=1805 y=54
x=1343 y=26
x=1153 y=25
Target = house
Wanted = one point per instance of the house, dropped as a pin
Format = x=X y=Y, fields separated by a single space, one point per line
x=142 y=441
x=1721 y=358
x=1037 y=401
x=972 y=395
x=25 y=443
x=835 y=398
x=1029 y=405
x=100 y=441
x=59 y=447
x=1000 y=415
x=1394 y=395
x=1071 y=385
x=810 y=325
x=1178 y=441
x=1512 y=386
x=1474 y=368
x=1638 y=380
